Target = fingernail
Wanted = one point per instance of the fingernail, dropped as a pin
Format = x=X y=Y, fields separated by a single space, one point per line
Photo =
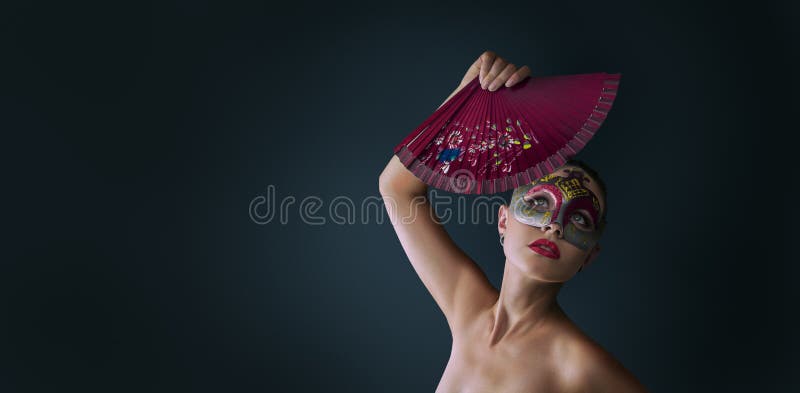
x=509 y=82
x=493 y=87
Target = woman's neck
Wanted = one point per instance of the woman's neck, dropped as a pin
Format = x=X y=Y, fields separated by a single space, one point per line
x=524 y=306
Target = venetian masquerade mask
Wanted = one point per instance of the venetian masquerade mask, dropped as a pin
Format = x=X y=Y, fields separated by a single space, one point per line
x=564 y=200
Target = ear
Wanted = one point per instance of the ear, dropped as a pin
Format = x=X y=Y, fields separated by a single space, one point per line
x=592 y=255
x=502 y=219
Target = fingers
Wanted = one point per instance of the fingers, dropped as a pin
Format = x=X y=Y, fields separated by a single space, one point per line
x=487 y=58
x=503 y=77
x=497 y=66
x=519 y=75
x=494 y=71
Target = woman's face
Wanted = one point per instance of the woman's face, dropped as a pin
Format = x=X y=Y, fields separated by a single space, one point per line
x=552 y=225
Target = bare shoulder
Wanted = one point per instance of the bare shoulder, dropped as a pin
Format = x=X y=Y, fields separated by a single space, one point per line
x=588 y=367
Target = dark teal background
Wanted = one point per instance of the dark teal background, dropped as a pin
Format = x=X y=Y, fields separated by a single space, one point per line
x=136 y=135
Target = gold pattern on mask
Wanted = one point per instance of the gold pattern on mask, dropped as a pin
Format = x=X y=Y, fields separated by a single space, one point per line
x=546 y=178
x=572 y=188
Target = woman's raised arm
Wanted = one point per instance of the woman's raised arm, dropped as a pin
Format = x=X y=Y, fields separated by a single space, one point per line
x=457 y=284
x=455 y=281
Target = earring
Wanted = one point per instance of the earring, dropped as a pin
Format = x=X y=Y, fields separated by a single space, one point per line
x=502 y=236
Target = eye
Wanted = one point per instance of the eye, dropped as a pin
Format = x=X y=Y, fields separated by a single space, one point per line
x=582 y=220
x=538 y=203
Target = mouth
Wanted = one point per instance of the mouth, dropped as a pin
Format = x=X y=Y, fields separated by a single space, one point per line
x=546 y=248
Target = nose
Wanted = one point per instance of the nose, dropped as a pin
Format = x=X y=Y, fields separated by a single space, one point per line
x=554 y=226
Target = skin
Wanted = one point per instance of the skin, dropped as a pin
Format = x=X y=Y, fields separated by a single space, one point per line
x=517 y=339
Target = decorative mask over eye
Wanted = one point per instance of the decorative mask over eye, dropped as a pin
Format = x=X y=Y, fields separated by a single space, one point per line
x=582 y=220
x=560 y=199
x=540 y=201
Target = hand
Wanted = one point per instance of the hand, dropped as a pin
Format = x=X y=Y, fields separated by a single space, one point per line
x=494 y=71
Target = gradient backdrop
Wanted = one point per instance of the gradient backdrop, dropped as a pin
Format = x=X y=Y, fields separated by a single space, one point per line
x=136 y=136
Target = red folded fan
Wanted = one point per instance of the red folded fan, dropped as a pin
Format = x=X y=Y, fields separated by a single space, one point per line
x=484 y=142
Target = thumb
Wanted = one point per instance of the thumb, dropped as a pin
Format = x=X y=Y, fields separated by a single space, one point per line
x=473 y=71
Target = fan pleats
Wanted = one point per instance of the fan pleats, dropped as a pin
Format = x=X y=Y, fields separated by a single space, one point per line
x=482 y=142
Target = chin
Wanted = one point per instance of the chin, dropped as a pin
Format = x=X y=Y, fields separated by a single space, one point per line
x=542 y=268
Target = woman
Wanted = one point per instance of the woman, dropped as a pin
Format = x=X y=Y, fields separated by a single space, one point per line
x=517 y=339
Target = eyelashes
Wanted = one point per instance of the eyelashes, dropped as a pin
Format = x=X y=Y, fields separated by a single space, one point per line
x=585 y=221
x=540 y=201
x=543 y=201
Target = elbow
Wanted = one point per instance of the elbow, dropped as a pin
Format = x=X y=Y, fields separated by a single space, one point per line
x=384 y=184
x=387 y=181
x=397 y=179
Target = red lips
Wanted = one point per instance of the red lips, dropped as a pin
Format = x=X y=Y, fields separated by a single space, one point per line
x=546 y=248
